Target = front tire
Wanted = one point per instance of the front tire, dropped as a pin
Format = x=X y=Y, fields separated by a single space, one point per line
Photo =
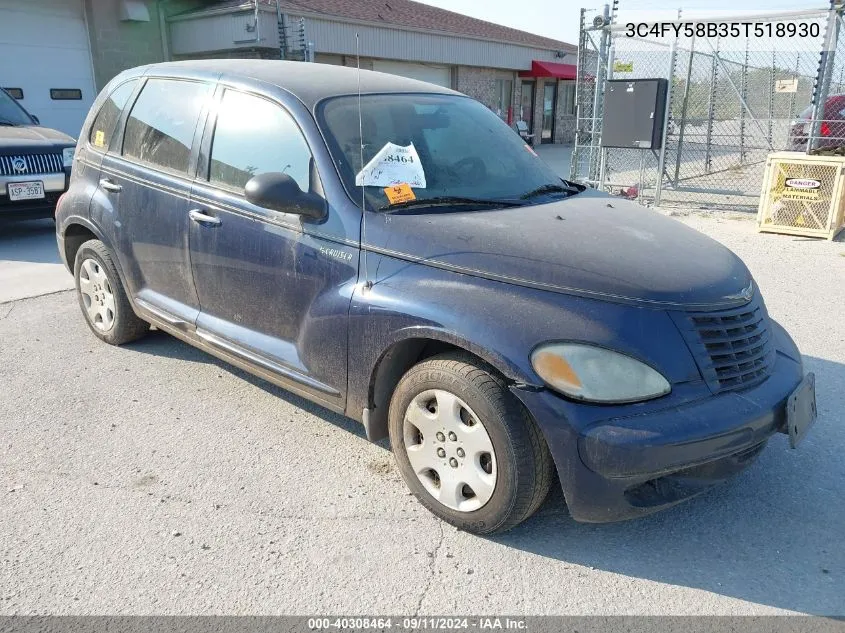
x=466 y=447
x=102 y=298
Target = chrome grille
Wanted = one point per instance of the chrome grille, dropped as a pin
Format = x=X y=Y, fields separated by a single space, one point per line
x=733 y=348
x=23 y=164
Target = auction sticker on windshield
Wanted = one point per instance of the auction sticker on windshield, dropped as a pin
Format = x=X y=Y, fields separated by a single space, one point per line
x=393 y=165
x=399 y=193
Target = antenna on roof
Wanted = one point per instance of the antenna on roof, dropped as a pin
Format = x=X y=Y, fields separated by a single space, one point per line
x=367 y=283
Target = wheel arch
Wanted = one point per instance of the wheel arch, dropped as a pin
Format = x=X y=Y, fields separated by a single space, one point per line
x=75 y=234
x=406 y=349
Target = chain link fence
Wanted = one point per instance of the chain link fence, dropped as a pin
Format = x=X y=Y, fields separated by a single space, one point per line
x=731 y=101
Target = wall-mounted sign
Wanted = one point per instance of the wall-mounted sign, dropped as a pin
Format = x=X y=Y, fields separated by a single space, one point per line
x=786 y=85
x=65 y=94
x=623 y=67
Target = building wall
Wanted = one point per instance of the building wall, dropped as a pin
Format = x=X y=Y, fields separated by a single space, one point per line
x=481 y=84
x=216 y=31
x=241 y=53
x=116 y=45
x=229 y=31
x=564 y=123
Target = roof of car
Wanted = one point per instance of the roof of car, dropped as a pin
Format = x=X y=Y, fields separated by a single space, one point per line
x=310 y=82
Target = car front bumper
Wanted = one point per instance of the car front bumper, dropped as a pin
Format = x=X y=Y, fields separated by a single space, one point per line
x=633 y=464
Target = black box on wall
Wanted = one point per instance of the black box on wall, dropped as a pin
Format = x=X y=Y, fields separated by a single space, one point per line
x=634 y=110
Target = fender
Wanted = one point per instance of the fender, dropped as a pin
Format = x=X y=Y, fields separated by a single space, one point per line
x=100 y=235
x=489 y=355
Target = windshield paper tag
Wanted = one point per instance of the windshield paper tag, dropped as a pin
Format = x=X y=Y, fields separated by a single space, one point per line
x=393 y=165
x=399 y=193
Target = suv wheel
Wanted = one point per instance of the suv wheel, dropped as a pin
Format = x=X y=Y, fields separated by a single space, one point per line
x=466 y=447
x=102 y=297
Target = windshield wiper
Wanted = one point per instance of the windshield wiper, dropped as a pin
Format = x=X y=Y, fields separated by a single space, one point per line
x=451 y=200
x=9 y=123
x=548 y=188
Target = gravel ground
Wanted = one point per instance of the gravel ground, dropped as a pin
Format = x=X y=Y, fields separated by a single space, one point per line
x=153 y=479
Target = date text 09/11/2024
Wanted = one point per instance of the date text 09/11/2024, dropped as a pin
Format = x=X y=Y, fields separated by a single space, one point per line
x=723 y=29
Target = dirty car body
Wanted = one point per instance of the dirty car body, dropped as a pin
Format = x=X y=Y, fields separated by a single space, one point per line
x=338 y=302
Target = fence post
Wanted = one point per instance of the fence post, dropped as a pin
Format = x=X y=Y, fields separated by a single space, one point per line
x=772 y=94
x=598 y=106
x=792 y=96
x=684 y=106
x=825 y=70
x=744 y=99
x=579 y=109
x=711 y=109
x=611 y=55
x=661 y=161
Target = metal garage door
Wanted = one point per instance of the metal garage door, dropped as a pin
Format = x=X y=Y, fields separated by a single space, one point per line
x=43 y=48
x=440 y=75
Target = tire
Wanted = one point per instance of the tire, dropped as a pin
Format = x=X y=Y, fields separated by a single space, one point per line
x=102 y=298
x=520 y=466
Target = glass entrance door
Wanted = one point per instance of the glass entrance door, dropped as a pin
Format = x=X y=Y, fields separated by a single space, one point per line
x=526 y=106
x=549 y=107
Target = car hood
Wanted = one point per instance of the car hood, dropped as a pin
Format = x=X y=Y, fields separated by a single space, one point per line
x=589 y=244
x=32 y=137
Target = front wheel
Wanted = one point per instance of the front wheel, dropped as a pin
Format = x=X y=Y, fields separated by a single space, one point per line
x=466 y=447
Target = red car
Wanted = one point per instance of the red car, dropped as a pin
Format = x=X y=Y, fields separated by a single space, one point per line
x=831 y=132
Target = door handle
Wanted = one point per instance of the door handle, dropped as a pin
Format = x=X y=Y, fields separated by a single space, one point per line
x=201 y=218
x=108 y=185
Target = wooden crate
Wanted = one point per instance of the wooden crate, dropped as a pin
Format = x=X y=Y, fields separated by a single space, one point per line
x=803 y=195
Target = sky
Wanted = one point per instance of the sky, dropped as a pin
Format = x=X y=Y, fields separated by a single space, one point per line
x=558 y=19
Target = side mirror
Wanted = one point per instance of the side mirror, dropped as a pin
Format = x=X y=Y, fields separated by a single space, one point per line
x=279 y=192
x=35 y=119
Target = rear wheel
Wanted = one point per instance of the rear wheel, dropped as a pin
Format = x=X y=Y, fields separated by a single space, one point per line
x=466 y=447
x=102 y=297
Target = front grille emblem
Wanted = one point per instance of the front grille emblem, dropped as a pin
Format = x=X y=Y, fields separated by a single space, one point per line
x=745 y=294
x=19 y=165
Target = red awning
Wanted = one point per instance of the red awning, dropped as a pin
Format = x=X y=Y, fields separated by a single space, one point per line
x=551 y=69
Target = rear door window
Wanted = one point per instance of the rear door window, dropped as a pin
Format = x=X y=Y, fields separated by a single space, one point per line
x=254 y=136
x=103 y=127
x=161 y=126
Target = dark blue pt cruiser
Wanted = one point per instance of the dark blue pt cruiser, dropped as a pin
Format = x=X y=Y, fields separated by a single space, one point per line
x=393 y=251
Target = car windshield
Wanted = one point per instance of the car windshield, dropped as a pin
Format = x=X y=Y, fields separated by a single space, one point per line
x=11 y=113
x=433 y=151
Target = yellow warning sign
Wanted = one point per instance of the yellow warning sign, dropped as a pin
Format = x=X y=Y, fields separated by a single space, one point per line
x=398 y=194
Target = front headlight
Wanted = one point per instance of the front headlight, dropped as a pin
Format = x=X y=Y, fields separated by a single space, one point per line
x=67 y=156
x=595 y=374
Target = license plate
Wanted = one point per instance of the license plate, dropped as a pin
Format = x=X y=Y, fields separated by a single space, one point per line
x=801 y=410
x=26 y=190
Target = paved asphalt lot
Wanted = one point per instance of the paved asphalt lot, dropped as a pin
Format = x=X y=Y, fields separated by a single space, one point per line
x=154 y=479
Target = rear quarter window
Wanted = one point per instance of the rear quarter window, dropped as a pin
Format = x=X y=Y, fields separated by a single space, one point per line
x=161 y=125
x=106 y=120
